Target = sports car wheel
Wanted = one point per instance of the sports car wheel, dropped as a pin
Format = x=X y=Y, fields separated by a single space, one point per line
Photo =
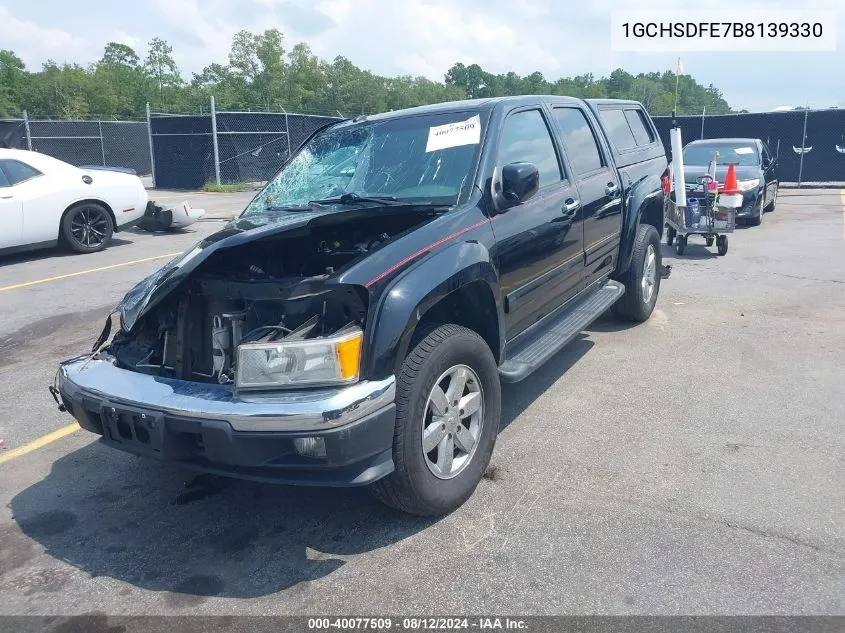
x=87 y=227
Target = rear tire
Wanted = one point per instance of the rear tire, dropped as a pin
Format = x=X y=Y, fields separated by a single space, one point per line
x=722 y=244
x=681 y=244
x=642 y=279
x=418 y=485
x=670 y=235
x=87 y=227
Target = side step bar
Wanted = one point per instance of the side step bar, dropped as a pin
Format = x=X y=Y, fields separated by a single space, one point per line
x=536 y=347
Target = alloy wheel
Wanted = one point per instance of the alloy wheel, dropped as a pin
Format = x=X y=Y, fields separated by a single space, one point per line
x=454 y=415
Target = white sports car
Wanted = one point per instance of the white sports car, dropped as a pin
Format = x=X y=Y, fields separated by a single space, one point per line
x=44 y=201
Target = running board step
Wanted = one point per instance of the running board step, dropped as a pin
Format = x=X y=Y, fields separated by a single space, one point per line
x=538 y=347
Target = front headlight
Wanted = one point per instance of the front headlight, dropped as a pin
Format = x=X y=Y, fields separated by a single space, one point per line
x=323 y=361
x=747 y=185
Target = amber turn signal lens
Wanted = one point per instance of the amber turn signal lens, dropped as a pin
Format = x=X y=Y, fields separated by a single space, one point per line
x=349 y=356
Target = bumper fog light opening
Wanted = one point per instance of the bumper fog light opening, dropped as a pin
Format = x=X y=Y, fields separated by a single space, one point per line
x=313 y=447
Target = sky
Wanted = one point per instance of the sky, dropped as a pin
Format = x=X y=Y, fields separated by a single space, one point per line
x=425 y=37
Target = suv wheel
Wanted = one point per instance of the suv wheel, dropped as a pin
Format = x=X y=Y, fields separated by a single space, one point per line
x=642 y=279
x=448 y=407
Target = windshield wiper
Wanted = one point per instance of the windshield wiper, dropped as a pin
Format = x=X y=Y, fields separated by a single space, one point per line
x=353 y=198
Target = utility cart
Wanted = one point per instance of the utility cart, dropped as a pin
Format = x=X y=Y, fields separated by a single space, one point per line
x=702 y=216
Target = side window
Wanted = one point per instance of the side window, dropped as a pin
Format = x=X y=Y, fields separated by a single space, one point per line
x=579 y=140
x=17 y=171
x=618 y=129
x=640 y=127
x=526 y=139
x=4 y=182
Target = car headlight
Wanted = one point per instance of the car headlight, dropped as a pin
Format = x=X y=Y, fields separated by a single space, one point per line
x=747 y=185
x=323 y=361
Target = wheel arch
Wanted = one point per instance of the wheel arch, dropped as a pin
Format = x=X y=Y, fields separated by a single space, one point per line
x=646 y=204
x=459 y=282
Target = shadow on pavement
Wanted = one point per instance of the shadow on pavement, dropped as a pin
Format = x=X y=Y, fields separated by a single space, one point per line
x=696 y=250
x=112 y=514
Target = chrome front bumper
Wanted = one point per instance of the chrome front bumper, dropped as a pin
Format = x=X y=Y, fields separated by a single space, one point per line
x=288 y=411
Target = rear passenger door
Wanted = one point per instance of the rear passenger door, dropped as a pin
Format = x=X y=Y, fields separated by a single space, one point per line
x=599 y=188
x=539 y=244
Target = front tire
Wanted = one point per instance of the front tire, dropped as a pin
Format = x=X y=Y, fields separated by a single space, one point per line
x=448 y=409
x=642 y=279
x=87 y=227
x=757 y=220
x=774 y=202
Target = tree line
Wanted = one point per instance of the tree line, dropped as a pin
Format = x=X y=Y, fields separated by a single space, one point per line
x=262 y=75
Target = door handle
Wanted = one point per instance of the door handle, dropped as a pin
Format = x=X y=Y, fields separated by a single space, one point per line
x=6 y=197
x=570 y=205
x=611 y=188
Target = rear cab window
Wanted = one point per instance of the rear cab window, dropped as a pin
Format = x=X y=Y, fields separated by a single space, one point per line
x=642 y=131
x=627 y=127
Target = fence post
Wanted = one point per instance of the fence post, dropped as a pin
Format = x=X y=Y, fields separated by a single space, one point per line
x=703 y=110
x=214 y=141
x=26 y=130
x=150 y=139
x=803 y=148
x=287 y=128
x=102 y=144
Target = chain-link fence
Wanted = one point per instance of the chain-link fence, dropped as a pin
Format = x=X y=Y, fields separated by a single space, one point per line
x=809 y=144
x=105 y=143
x=225 y=147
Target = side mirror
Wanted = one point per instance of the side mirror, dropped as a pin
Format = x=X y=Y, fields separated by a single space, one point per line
x=520 y=181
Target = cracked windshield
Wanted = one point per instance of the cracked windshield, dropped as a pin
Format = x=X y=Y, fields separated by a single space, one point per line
x=419 y=160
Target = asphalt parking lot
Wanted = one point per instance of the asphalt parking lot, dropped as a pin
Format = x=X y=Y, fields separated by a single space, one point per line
x=690 y=465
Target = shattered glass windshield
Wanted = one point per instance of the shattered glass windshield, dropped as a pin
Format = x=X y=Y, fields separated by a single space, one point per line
x=423 y=159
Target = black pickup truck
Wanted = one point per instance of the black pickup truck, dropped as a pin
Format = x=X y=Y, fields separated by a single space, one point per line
x=352 y=325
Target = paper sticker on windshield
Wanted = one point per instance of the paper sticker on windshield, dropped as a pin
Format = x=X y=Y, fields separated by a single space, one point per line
x=454 y=134
x=743 y=150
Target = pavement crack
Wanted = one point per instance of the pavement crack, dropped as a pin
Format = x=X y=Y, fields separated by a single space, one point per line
x=805 y=278
x=767 y=534
x=646 y=505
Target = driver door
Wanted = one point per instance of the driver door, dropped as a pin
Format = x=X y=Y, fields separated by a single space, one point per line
x=539 y=243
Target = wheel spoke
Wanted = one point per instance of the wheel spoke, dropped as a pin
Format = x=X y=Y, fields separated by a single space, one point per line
x=457 y=384
x=439 y=402
x=469 y=404
x=432 y=436
x=445 y=455
x=464 y=439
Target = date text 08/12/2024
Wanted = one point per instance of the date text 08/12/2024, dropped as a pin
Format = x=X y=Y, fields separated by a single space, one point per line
x=416 y=624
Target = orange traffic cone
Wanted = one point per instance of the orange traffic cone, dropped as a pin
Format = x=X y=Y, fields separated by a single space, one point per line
x=730 y=195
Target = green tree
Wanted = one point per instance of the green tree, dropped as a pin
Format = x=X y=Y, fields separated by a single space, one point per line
x=162 y=69
x=13 y=76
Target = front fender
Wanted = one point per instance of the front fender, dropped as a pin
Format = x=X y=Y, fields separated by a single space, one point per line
x=403 y=304
x=640 y=195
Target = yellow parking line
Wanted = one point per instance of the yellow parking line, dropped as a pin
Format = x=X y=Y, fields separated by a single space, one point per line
x=42 y=441
x=86 y=272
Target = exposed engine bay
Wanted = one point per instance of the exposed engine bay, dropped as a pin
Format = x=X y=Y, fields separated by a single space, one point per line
x=281 y=287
